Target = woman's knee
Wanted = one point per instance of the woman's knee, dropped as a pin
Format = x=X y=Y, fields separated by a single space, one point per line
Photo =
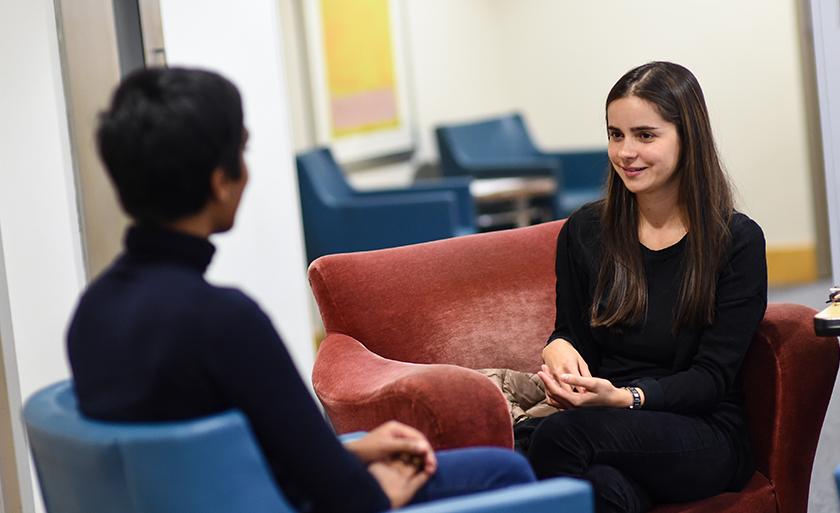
x=558 y=446
x=615 y=492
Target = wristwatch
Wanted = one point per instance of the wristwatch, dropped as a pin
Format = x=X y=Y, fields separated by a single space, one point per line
x=637 y=398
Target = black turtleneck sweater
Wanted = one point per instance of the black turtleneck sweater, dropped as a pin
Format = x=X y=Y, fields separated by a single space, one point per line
x=151 y=340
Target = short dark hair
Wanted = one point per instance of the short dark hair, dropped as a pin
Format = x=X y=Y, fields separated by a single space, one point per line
x=164 y=133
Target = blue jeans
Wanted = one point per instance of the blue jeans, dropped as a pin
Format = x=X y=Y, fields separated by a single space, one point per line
x=474 y=469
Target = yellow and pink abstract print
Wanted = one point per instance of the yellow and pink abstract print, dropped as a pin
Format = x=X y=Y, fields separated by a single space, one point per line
x=360 y=66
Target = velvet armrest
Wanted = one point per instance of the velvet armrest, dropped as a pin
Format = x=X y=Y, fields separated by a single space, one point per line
x=453 y=406
x=788 y=376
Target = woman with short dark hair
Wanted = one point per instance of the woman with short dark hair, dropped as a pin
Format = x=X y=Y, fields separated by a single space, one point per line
x=660 y=288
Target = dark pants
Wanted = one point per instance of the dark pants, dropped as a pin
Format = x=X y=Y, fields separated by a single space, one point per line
x=633 y=458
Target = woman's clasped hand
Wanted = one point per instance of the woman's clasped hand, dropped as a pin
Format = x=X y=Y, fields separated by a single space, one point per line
x=569 y=384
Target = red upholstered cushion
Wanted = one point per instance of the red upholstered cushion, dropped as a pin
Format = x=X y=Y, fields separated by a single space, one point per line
x=757 y=497
x=788 y=376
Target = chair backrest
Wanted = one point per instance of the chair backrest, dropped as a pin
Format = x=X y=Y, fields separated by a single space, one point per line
x=209 y=465
x=497 y=139
x=322 y=188
x=320 y=176
x=478 y=301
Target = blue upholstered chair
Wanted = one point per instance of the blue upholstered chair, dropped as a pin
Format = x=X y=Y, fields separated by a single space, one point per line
x=501 y=147
x=209 y=465
x=339 y=219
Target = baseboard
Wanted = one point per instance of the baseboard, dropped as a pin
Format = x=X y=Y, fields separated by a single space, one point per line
x=791 y=265
x=318 y=337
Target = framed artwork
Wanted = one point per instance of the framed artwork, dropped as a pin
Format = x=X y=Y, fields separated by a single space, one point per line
x=358 y=77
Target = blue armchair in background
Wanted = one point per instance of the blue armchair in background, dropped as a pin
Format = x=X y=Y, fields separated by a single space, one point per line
x=501 y=147
x=340 y=219
x=209 y=465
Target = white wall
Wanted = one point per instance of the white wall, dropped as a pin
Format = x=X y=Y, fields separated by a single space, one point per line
x=456 y=62
x=556 y=61
x=745 y=54
x=826 y=29
x=263 y=254
x=41 y=249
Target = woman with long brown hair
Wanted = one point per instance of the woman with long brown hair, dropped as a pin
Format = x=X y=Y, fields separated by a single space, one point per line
x=660 y=288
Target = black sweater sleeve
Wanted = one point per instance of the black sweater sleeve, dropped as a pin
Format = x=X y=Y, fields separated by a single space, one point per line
x=567 y=304
x=739 y=307
x=573 y=290
x=250 y=364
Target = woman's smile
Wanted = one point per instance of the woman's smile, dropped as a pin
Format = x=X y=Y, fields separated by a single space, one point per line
x=632 y=172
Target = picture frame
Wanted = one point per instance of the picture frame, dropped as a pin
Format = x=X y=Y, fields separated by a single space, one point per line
x=358 y=77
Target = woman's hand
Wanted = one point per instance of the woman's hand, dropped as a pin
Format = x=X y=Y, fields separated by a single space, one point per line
x=562 y=358
x=390 y=440
x=590 y=391
x=399 y=480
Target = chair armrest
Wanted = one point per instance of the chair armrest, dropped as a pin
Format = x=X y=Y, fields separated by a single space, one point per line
x=453 y=406
x=788 y=376
x=551 y=496
x=514 y=167
x=396 y=220
x=352 y=436
x=451 y=182
x=460 y=186
x=418 y=199
x=455 y=184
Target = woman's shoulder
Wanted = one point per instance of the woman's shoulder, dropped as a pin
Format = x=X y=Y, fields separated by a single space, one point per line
x=585 y=219
x=745 y=230
x=746 y=241
x=581 y=233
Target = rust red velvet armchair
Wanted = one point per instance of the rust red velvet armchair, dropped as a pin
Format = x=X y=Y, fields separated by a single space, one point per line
x=406 y=326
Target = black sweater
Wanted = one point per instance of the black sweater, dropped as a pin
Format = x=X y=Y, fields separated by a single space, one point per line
x=151 y=340
x=694 y=372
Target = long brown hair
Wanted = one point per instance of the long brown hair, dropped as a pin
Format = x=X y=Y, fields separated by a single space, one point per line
x=704 y=194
